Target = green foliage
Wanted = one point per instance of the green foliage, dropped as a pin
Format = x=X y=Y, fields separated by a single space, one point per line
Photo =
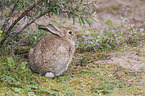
x=99 y=40
x=9 y=68
x=107 y=87
x=109 y=38
x=74 y=9
x=29 y=11
x=109 y=22
x=69 y=92
x=10 y=62
x=18 y=76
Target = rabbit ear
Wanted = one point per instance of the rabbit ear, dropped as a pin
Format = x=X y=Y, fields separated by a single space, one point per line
x=51 y=29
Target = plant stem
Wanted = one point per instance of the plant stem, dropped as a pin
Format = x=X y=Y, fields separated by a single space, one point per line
x=16 y=21
x=26 y=26
x=9 y=16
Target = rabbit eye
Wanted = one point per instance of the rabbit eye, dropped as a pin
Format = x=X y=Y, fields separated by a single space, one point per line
x=70 y=32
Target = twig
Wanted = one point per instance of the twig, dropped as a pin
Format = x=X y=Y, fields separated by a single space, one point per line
x=1 y=9
x=26 y=26
x=9 y=48
x=118 y=69
x=10 y=15
x=24 y=54
x=22 y=30
x=16 y=21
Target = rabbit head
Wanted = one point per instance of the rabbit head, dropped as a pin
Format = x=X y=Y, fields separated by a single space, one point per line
x=62 y=32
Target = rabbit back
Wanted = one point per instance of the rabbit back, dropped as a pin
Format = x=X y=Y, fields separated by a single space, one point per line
x=51 y=54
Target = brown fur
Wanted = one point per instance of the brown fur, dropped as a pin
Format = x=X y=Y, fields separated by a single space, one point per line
x=52 y=53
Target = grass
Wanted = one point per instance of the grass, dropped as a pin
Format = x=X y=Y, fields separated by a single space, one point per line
x=86 y=80
x=84 y=76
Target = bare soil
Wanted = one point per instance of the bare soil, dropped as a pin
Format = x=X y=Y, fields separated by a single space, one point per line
x=133 y=10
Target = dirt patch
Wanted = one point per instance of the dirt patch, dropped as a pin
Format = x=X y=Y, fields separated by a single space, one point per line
x=133 y=10
x=131 y=60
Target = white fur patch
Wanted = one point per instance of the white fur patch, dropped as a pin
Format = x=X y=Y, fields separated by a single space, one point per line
x=49 y=74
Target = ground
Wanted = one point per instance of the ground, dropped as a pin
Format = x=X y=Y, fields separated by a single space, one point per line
x=109 y=57
x=134 y=12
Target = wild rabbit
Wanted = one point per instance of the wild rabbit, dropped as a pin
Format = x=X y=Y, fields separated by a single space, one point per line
x=53 y=53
